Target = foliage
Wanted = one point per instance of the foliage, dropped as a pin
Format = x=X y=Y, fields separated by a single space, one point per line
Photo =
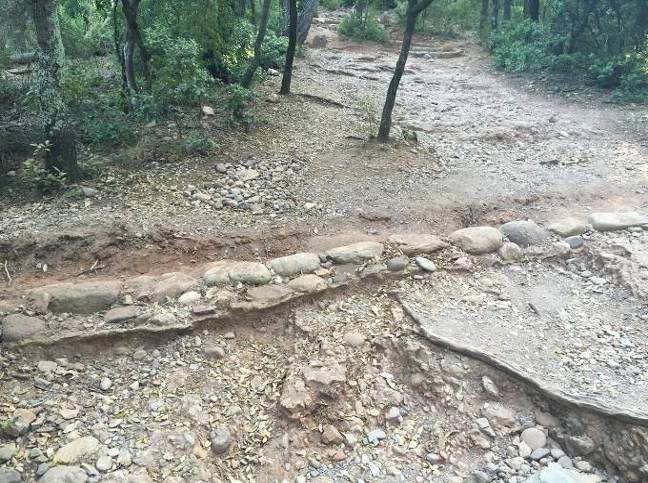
x=362 y=25
x=521 y=46
x=446 y=18
x=84 y=29
x=35 y=175
x=273 y=51
x=238 y=101
x=331 y=4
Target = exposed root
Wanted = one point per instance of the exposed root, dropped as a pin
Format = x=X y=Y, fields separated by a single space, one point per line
x=323 y=100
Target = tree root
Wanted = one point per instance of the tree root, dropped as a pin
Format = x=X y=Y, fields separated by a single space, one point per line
x=322 y=100
x=549 y=391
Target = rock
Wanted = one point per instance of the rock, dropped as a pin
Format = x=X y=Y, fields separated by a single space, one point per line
x=214 y=351
x=7 y=451
x=64 y=474
x=7 y=475
x=208 y=111
x=554 y=473
x=265 y=297
x=121 y=314
x=17 y=327
x=18 y=424
x=462 y=264
x=583 y=466
x=104 y=463
x=156 y=289
x=574 y=242
x=189 y=298
x=393 y=415
x=163 y=320
x=425 y=264
x=354 y=339
x=47 y=366
x=124 y=458
x=273 y=72
x=477 y=240
x=580 y=445
x=330 y=435
x=296 y=399
x=318 y=41
x=534 y=437
x=88 y=192
x=416 y=244
x=568 y=227
x=225 y=272
x=565 y=462
x=498 y=415
x=538 y=454
x=616 y=221
x=374 y=437
x=299 y=263
x=78 y=298
x=77 y=450
x=308 y=284
x=323 y=377
x=398 y=263
x=221 y=439
x=356 y=253
x=524 y=233
x=105 y=384
x=510 y=252
x=489 y=386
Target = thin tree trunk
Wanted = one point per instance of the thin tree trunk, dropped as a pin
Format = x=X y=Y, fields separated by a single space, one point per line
x=134 y=38
x=483 y=18
x=62 y=155
x=305 y=19
x=495 y=15
x=263 y=27
x=253 y=12
x=507 y=10
x=390 y=100
x=122 y=62
x=292 y=46
x=532 y=9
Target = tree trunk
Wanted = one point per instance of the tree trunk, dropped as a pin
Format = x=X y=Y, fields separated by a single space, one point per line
x=62 y=155
x=390 y=100
x=532 y=9
x=507 y=10
x=305 y=19
x=134 y=38
x=263 y=27
x=125 y=93
x=292 y=45
x=495 y=15
x=483 y=18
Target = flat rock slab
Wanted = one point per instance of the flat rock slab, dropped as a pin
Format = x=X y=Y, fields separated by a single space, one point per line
x=158 y=288
x=416 y=243
x=617 y=221
x=308 y=284
x=568 y=227
x=76 y=298
x=568 y=332
x=295 y=264
x=225 y=272
x=17 y=327
x=524 y=233
x=356 y=253
x=264 y=297
x=477 y=240
x=121 y=314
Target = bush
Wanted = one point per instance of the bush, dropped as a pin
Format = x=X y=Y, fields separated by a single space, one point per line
x=273 y=51
x=359 y=26
x=238 y=100
x=446 y=18
x=520 y=47
x=35 y=175
x=331 y=4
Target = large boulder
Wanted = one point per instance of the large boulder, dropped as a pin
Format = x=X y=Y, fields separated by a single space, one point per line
x=17 y=327
x=76 y=298
x=477 y=240
x=77 y=450
x=417 y=243
x=524 y=233
x=295 y=264
x=568 y=227
x=225 y=272
x=617 y=221
x=356 y=253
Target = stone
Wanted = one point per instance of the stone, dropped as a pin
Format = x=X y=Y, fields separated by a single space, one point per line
x=105 y=384
x=273 y=98
x=565 y=462
x=214 y=351
x=124 y=458
x=477 y=240
x=299 y=263
x=171 y=285
x=18 y=424
x=397 y=264
x=574 y=242
x=47 y=366
x=77 y=450
x=425 y=264
x=524 y=233
x=104 y=463
x=265 y=297
x=510 y=252
x=354 y=339
x=78 y=298
x=163 y=320
x=356 y=253
x=308 y=284
x=7 y=451
x=17 y=327
x=489 y=386
x=64 y=474
x=498 y=415
x=534 y=437
x=189 y=298
x=121 y=314
x=554 y=473
x=568 y=227
x=416 y=243
x=273 y=72
x=208 y=111
x=7 y=475
x=538 y=454
x=580 y=445
x=221 y=439
x=393 y=415
x=374 y=437
x=225 y=272
x=462 y=264
x=88 y=192
x=296 y=399
x=616 y=221
x=331 y=435
x=323 y=377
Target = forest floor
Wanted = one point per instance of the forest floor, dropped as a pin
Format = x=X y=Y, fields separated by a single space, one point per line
x=490 y=148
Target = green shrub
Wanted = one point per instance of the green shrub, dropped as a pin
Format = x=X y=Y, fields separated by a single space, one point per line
x=35 y=175
x=359 y=26
x=445 y=18
x=273 y=51
x=237 y=101
x=521 y=46
x=331 y=4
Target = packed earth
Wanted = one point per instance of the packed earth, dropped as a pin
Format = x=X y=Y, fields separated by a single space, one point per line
x=465 y=305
